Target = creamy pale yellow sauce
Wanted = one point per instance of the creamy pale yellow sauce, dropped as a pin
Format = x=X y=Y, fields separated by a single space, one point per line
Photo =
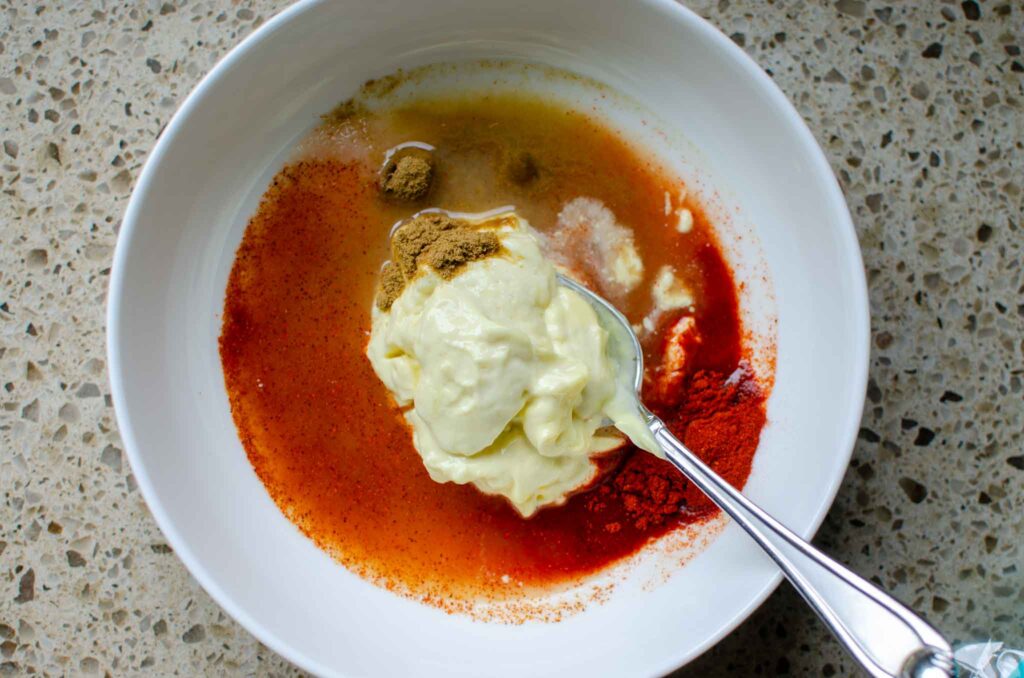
x=504 y=374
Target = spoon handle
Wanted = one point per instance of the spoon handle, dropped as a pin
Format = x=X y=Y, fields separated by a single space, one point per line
x=886 y=637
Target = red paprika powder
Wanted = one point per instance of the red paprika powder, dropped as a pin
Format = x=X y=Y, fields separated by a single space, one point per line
x=719 y=416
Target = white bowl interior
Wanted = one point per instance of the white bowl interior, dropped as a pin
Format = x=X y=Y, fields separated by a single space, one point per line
x=187 y=216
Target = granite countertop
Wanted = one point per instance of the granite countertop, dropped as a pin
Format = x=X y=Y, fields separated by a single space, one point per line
x=919 y=108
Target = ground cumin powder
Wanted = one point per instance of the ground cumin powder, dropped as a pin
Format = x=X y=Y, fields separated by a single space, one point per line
x=413 y=238
x=391 y=284
x=407 y=178
x=454 y=249
x=444 y=243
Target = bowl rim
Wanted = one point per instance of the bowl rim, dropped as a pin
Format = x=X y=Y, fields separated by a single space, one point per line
x=674 y=11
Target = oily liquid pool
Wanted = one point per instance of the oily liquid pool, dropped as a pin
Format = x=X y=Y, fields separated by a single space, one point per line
x=319 y=427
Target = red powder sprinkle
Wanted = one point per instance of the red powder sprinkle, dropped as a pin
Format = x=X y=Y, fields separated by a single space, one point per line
x=720 y=419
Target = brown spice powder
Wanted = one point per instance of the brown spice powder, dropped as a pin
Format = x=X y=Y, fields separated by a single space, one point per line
x=343 y=112
x=454 y=249
x=391 y=285
x=407 y=178
x=413 y=238
x=444 y=243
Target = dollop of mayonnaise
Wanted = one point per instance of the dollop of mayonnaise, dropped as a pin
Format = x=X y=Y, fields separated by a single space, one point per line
x=503 y=375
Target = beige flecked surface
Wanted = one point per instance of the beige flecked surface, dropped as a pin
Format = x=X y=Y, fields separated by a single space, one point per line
x=920 y=111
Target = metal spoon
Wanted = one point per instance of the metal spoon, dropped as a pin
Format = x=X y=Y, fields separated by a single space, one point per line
x=886 y=637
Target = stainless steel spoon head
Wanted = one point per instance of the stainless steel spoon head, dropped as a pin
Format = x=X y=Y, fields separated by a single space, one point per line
x=623 y=344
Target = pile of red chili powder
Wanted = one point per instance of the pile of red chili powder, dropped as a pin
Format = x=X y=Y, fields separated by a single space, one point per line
x=719 y=417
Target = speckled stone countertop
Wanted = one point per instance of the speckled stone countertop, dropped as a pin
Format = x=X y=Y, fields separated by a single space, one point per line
x=919 y=108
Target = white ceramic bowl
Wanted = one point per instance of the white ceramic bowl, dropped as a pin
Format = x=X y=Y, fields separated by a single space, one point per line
x=187 y=215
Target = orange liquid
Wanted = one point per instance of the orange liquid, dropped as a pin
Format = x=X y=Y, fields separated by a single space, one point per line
x=319 y=427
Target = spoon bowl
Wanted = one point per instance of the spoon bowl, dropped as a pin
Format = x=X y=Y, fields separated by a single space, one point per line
x=623 y=344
